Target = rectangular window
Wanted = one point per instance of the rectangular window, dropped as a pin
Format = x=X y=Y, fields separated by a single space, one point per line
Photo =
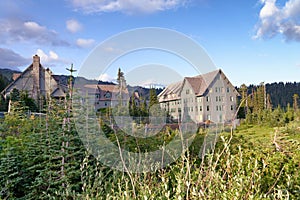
x=200 y=108
x=210 y=90
x=231 y=107
x=208 y=117
x=217 y=98
x=207 y=108
x=207 y=98
x=228 y=90
x=231 y=98
x=216 y=89
x=187 y=91
x=217 y=108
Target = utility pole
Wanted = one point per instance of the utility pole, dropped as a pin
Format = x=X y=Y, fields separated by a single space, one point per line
x=71 y=70
x=66 y=122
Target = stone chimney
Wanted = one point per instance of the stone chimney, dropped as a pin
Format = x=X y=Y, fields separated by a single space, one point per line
x=36 y=60
x=36 y=77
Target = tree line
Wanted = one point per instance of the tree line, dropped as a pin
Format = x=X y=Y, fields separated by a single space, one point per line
x=261 y=104
x=278 y=93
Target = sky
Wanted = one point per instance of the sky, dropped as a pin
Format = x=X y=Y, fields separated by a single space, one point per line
x=252 y=41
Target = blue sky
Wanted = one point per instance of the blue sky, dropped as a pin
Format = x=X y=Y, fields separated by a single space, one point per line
x=251 y=41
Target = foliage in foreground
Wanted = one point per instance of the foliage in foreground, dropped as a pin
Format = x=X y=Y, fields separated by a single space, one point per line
x=43 y=158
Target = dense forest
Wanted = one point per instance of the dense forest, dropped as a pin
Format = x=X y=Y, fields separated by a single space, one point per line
x=280 y=93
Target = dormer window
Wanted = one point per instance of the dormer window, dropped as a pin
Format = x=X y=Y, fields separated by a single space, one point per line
x=107 y=95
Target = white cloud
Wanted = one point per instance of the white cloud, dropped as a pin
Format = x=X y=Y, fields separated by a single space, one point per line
x=274 y=20
x=34 y=27
x=16 y=30
x=85 y=43
x=106 y=77
x=126 y=6
x=73 y=25
x=47 y=58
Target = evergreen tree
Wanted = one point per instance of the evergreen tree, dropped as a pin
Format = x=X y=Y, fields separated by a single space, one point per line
x=15 y=95
x=28 y=102
x=244 y=99
x=269 y=102
x=295 y=102
x=152 y=97
x=120 y=76
x=3 y=82
x=143 y=108
x=133 y=109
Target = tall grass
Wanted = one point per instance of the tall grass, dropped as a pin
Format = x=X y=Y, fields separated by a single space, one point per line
x=225 y=173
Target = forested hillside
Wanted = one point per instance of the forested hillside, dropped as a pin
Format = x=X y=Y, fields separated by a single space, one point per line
x=280 y=93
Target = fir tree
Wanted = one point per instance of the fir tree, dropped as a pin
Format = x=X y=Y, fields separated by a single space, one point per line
x=152 y=97
x=295 y=102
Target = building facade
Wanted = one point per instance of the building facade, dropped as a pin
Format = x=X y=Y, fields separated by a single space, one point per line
x=207 y=97
x=105 y=96
x=37 y=81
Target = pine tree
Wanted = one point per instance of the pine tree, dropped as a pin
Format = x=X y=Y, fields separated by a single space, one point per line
x=152 y=97
x=15 y=95
x=295 y=102
x=133 y=109
x=244 y=107
x=143 y=106
x=269 y=102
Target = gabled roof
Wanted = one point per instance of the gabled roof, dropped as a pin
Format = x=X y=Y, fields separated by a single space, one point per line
x=111 y=88
x=171 y=92
x=91 y=86
x=58 y=92
x=199 y=85
x=17 y=78
x=30 y=68
x=195 y=83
